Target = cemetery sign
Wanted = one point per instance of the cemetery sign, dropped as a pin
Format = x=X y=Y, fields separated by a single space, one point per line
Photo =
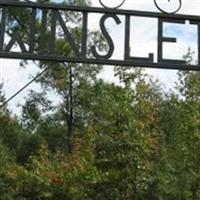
x=51 y=17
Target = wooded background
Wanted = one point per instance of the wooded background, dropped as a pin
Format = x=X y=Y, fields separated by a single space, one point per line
x=132 y=141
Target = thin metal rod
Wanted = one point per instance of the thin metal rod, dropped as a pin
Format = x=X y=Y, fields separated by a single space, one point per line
x=23 y=88
x=71 y=110
x=69 y=105
x=84 y=34
x=2 y=27
x=32 y=30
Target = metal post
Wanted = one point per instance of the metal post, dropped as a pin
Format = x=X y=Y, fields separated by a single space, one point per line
x=69 y=108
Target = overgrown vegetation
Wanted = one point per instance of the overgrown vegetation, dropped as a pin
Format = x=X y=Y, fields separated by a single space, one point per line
x=129 y=142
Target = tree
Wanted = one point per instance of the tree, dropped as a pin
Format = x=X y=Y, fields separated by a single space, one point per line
x=64 y=79
x=125 y=120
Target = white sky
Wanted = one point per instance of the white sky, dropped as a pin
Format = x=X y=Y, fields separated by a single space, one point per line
x=143 y=36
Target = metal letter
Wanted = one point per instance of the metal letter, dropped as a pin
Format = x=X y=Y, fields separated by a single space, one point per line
x=127 y=45
x=198 y=36
x=53 y=33
x=32 y=30
x=162 y=39
x=2 y=27
x=16 y=38
x=43 y=31
x=68 y=35
x=84 y=34
x=107 y=36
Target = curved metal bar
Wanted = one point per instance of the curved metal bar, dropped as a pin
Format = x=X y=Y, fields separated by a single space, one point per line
x=115 y=7
x=163 y=11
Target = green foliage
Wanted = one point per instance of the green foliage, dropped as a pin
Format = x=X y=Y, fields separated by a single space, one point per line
x=56 y=176
x=130 y=141
x=6 y=160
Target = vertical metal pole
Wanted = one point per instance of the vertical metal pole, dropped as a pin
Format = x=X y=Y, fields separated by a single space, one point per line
x=198 y=44
x=32 y=30
x=43 y=31
x=2 y=27
x=84 y=34
x=71 y=110
x=160 y=40
x=127 y=38
x=53 y=32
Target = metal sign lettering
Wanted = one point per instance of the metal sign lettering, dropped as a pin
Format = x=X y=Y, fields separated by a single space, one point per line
x=46 y=51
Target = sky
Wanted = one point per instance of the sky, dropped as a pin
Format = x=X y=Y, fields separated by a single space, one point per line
x=143 y=40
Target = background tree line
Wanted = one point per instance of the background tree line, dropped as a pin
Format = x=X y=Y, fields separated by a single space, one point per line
x=131 y=141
